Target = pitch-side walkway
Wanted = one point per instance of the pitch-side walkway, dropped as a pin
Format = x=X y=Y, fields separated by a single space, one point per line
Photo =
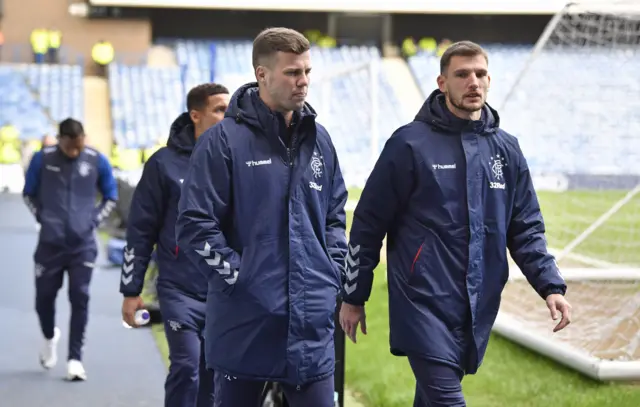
x=124 y=367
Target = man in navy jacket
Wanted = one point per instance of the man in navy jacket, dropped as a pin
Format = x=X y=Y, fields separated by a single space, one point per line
x=60 y=190
x=181 y=288
x=452 y=192
x=262 y=215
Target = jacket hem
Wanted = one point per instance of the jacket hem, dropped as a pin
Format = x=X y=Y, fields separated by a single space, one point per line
x=412 y=354
x=279 y=379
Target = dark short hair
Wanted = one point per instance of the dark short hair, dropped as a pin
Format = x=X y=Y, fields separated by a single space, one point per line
x=70 y=128
x=460 y=49
x=198 y=97
x=278 y=39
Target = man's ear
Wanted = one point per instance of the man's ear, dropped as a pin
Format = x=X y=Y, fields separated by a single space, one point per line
x=261 y=74
x=441 y=82
x=195 y=116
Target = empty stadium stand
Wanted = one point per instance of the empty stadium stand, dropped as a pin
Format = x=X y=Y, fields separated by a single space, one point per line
x=144 y=103
x=59 y=88
x=343 y=102
x=19 y=105
x=35 y=97
x=548 y=108
x=505 y=63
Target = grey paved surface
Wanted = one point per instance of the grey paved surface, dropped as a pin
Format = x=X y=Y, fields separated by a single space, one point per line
x=124 y=367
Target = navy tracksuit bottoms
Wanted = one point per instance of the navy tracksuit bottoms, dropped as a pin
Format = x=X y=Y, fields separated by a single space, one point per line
x=50 y=266
x=232 y=392
x=437 y=384
x=189 y=383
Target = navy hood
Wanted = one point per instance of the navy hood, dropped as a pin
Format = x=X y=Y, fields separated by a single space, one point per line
x=246 y=106
x=435 y=112
x=182 y=134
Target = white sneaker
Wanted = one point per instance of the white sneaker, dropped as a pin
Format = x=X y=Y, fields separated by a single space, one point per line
x=49 y=352
x=75 y=371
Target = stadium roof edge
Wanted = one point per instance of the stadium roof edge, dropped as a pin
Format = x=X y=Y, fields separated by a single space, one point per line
x=371 y=6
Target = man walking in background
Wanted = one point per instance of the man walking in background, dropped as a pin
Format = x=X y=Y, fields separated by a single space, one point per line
x=262 y=215
x=60 y=190
x=181 y=288
x=452 y=191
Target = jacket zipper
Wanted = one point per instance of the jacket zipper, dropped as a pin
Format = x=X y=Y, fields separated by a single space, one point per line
x=290 y=160
x=68 y=229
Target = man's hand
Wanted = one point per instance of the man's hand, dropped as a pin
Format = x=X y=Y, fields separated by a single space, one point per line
x=350 y=317
x=129 y=307
x=558 y=304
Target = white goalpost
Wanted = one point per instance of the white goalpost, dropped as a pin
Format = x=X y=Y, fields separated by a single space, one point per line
x=574 y=107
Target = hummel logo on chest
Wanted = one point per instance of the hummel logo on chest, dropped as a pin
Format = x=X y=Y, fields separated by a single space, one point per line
x=252 y=163
x=444 y=166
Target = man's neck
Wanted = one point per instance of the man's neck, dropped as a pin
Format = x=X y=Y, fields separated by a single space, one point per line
x=463 y=114
x=197 y=132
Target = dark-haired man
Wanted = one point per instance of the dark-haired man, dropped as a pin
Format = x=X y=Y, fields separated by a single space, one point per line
x=262 y=215
x=60 y=189
x=453 y=192
x=181 y=288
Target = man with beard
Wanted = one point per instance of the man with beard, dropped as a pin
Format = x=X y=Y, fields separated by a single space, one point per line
x=452 y=192
x=262 y=214
x=181 y=288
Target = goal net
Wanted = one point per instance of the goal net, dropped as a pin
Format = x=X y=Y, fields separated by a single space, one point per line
x=574 y=107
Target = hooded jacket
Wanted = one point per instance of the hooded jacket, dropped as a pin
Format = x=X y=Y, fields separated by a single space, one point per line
x=262 y=215
x=452 y=196
x=152 y=219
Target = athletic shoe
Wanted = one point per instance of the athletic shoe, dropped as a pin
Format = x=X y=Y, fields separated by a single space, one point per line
x=49 y=352
x=75 y=371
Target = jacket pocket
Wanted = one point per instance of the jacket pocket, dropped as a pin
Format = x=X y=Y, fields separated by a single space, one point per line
x=246 y=260
x=263 y=273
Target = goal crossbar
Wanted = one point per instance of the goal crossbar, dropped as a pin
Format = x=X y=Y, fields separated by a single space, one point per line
x=603 y=6
x=517 y=330
x=595 y=368
x=588 y=274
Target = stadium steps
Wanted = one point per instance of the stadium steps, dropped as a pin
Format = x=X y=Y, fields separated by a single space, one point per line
x=161 y=56
x=403 y=84
x=97 y=114
x=124 y=366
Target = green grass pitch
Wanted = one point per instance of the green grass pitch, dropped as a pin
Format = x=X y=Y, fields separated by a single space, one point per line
x=511 y=375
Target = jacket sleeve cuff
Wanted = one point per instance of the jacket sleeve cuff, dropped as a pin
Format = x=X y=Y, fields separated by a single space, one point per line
x=353 y=302
x=553 y=290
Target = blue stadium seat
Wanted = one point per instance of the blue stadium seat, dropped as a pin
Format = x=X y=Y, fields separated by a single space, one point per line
x=19 y=105
x=60 y=89
x=144 y=103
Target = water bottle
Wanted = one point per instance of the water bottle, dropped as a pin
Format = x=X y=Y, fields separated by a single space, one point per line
x=141 y=317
